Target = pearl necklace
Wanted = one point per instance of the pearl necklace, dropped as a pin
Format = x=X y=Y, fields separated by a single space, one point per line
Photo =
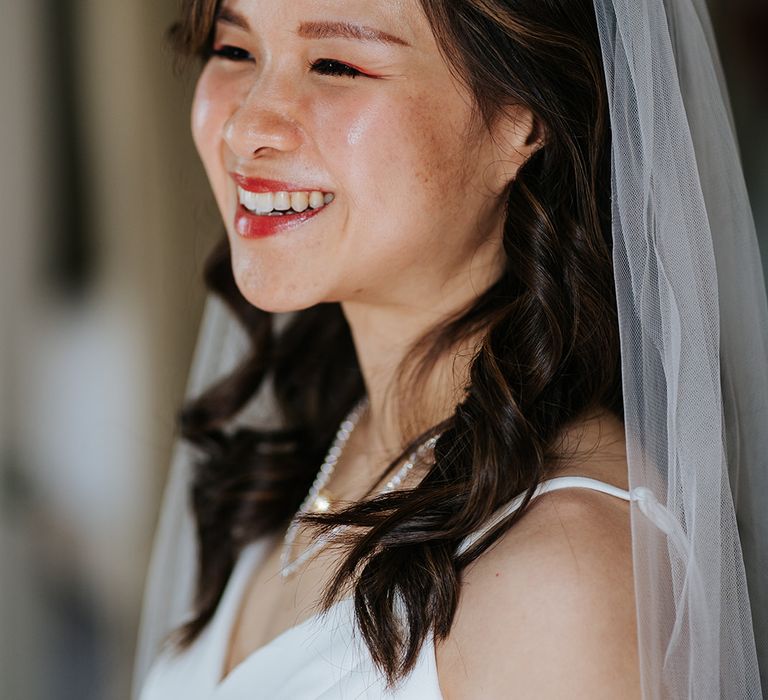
x=318 y=500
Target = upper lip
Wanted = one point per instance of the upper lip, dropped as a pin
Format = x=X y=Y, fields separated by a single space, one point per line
x=258 y=184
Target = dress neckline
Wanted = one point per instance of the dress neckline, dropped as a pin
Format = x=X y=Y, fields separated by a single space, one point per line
x=253 y=553
x=248 y=561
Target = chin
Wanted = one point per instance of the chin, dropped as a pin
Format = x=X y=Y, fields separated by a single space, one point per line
x=272 y=295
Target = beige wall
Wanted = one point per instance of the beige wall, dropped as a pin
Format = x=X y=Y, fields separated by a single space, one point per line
x=90 y=386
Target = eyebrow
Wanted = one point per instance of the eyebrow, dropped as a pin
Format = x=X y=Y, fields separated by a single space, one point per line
x=347 y=30
x=322 y=30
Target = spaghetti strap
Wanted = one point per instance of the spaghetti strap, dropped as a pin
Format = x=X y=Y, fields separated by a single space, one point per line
x=553 y=484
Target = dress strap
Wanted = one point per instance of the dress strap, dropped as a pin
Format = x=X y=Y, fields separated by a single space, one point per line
x=553 y=484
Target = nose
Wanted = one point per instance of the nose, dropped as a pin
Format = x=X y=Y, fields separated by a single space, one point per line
x=261 y=122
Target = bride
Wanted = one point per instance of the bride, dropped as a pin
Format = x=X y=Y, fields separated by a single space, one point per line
x=421 y=247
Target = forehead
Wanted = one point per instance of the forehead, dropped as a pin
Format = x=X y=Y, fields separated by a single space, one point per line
x=388 y=21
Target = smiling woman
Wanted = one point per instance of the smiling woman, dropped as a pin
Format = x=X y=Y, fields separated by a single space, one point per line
x=452 y=211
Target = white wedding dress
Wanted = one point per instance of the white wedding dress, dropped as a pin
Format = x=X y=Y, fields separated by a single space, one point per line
x=322 y=657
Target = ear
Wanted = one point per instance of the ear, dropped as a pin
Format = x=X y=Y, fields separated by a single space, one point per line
x=517 y=135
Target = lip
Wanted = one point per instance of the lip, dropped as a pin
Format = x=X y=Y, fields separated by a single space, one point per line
x=257 y=184
x=250 y=225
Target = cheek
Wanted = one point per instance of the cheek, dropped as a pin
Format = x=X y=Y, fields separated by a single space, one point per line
x=394 y=151
x=431 y=178
x=434 y=147
x=204 y=108
x=211 y=107
x=440 y=152
x=419 y=174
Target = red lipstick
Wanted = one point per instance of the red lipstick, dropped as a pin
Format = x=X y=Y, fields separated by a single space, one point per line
x=250 y=225
x=257 y=184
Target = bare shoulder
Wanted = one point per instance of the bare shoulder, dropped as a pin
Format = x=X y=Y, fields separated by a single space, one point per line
x=549 y=610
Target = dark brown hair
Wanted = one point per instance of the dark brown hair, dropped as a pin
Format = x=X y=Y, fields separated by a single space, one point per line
x=549 y=349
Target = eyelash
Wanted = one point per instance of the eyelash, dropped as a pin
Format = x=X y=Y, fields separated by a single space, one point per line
x=231 y=53
x=332 y=67
x=341 y=69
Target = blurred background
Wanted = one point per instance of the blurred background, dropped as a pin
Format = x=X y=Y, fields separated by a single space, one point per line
x=107 y=220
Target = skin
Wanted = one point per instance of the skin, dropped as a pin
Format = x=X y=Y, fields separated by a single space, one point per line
x=413 y=234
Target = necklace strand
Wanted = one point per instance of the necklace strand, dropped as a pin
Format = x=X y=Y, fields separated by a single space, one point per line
x=288 y=567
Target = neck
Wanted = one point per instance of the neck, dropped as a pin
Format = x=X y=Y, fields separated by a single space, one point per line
x=384 y=330
x=383 y=338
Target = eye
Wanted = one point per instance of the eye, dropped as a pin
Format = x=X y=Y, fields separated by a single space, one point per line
x=231 y=53
x=327 y=66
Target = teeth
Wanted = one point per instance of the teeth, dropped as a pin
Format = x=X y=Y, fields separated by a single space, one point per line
x=289 y=202
x=248 y=199
x=282 y=201
x=299 y=201
x=264 y=201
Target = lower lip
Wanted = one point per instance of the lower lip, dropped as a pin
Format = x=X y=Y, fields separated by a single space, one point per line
x=250 y=225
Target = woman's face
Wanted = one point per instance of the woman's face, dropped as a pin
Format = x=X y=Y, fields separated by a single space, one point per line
x=416 y=199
